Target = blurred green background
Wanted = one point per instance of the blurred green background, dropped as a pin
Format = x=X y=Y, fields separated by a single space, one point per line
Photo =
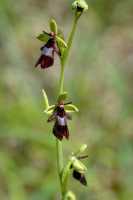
x=99 y=79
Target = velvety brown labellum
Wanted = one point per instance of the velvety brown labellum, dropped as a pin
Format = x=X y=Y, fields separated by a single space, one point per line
x=60 y=131
x=80 y=177
x=45 y=61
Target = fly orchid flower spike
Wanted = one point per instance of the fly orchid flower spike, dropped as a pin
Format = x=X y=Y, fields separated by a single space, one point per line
x=53 y=43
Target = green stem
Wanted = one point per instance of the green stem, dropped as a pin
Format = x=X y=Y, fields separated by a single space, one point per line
x=60 y=164
x=61 y=82
x=59 y=149
x=70 y=39
x=65 y=175
x=59 y=160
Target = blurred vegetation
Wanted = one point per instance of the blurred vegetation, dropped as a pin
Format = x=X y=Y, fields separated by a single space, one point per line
x=99 y=78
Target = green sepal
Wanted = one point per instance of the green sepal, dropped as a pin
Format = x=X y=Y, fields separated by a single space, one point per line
x=49 y=110
x=71 y=108
x=78 y=165
x=62 y=97
x=53 y=26
x=80 y=4
x=70 y=196
x=44 y=37
x=46 y=101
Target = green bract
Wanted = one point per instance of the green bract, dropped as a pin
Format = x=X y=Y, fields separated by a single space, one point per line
x=53 y=26
x=80 y=5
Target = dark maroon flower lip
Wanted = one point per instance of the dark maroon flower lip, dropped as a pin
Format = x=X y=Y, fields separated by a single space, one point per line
x=45 y=61
x=60 y=117
x=79 y=177
x=60 y=131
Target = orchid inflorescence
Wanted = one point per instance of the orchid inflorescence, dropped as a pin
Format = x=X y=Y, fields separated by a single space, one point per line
x=60 y=112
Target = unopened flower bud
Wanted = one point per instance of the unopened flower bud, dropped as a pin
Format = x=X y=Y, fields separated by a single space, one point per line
x=80 y=5
x=83 y=148
x=70 y=196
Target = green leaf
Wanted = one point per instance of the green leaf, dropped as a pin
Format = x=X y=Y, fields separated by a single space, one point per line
x=44 y=37
x=78 y=165
x=71 y=108
x=53 y=26
x=46 y=101
x=62 y=96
